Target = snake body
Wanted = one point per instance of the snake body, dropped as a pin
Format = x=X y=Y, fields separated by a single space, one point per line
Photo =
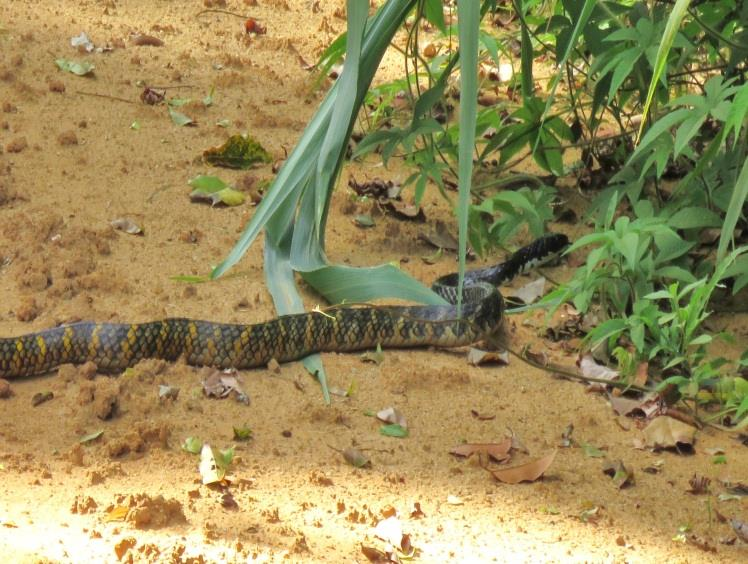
x=116 y=346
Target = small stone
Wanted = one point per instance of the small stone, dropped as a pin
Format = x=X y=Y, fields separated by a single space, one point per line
x=5 y=389
x=56 y=86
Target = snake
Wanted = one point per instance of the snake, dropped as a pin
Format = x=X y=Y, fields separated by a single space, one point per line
x=114 y=347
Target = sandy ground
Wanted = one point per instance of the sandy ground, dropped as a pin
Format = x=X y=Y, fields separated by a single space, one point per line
x=70 y=162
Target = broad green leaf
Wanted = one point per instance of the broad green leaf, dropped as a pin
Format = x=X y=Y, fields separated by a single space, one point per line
x=694 y=217
x=205 y=182
x=434 y=12
x=393 y=430
x=79 y=68
x=179 y=118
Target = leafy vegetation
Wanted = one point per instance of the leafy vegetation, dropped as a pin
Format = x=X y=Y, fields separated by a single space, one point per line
x=640 y=106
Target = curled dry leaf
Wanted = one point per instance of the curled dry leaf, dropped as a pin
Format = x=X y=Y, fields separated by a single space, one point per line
x=152 y=96
x=392 y=415
x=528 y=472
x=589 y=368
x=666 y=432
x=356 y=458
x=698 y=484
x=622 y=476
x=646 y=407
x=498 y=451
x=476 y=357
x=127 y=225
x=405 y=211
x=375 y=555
x=222 y=384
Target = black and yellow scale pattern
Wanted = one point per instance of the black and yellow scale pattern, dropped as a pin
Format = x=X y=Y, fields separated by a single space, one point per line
x=114 y=346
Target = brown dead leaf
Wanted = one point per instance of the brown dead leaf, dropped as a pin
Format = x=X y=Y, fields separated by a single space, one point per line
x=666 y=432
x=376 y=188
x=498 y=451
x=440 y=237
x=417 y=512
x=698 y=484
x=642 y=374
x=646 y=408
x=528 y=472
x=476 y=357
x=375 y=555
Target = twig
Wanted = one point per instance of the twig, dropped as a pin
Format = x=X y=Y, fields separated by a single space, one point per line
x=96 y=94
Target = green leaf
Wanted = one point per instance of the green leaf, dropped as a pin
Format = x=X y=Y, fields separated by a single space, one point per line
x=79 y=68
x=214 y=190
x=694 y=217
x=434 y=12
x=671 y=30
x=243 y=433
x=469 y=16
x=393 y=430
x=591 y=451
x=239 y=151
x=205 y=182
x=737 y=200
x=193 y=445
x=179 y=118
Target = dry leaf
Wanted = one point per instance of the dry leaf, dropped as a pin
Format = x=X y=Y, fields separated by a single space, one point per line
x=698 y=484
x=666 y=432
x=530 y=292
x=740 y=528
x=126 y=225
x=589 y=368
x=356 y=458
x=118 y=513
x=476 y=357
x=417 y=512
x=528 y=472
x=222 y=384
x=375 y=555
x=622 y=476
x=392 y=415
x=498 y=451
x=642 y=374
